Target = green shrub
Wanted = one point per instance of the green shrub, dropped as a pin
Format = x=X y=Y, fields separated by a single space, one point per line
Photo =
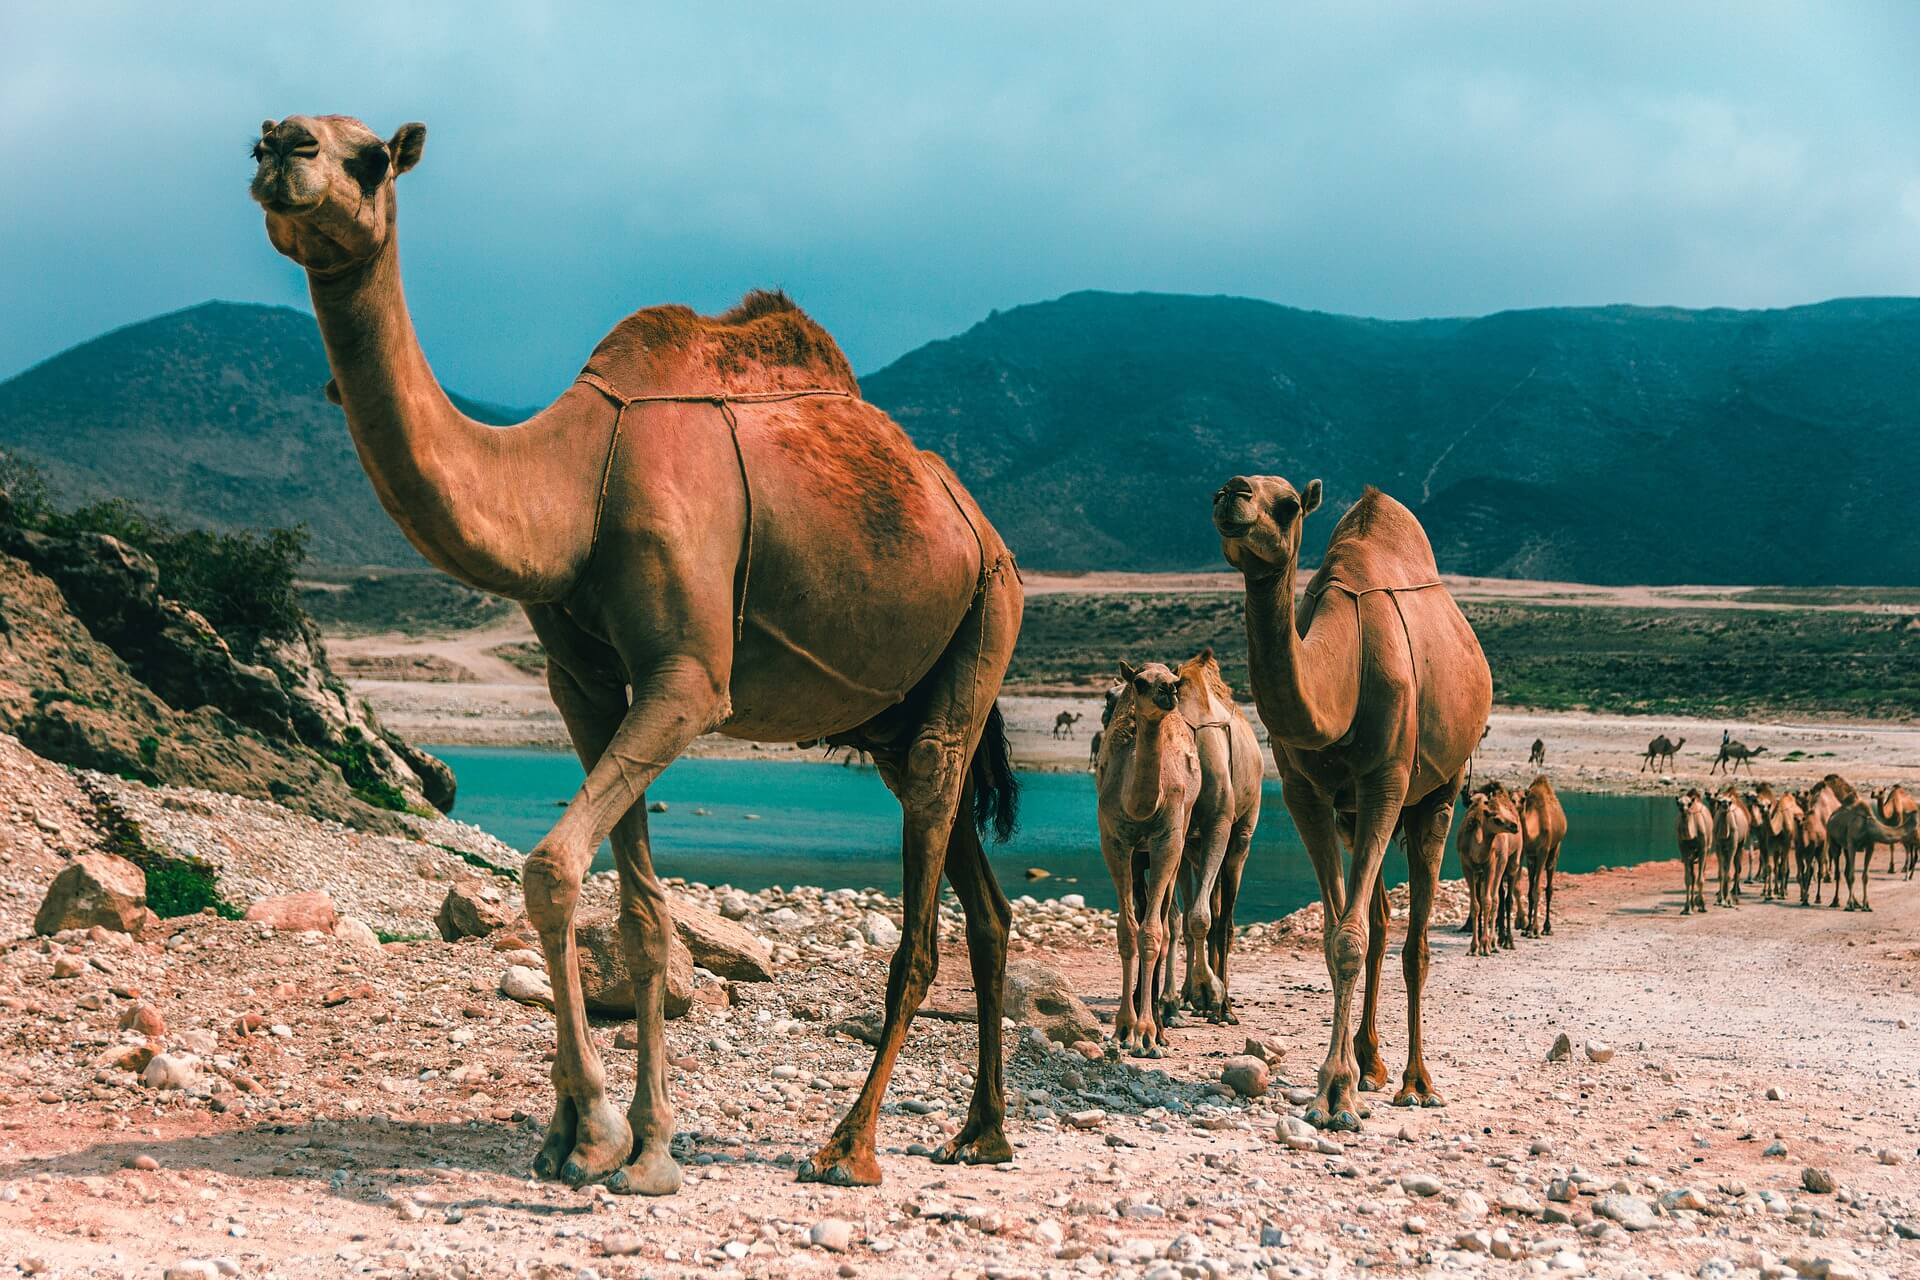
x=354 y=760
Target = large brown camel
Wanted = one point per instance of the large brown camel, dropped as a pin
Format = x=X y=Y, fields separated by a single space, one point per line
x=1488 y=843
x=1371 y=696
x=1693 y=832
x=1892 y=805
x=712 y=518
x=1147 y=777
x=1543 y=828
x=1733 y=755
x=1731 y=823
x=1661 y=748
x=1219 y=833
x=1852 y=832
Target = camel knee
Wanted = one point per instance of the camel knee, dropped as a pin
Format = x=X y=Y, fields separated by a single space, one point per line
x=551 y=887
x=647 y=931
x=1348 y=951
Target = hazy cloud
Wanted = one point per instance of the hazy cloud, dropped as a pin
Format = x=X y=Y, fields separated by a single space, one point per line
x=902 y=169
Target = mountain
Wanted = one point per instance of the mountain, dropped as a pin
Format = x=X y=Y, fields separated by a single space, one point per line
x=1608 y=444
x=215 y=415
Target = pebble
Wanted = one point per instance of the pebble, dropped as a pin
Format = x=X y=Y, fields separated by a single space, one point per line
x=1474 y=1242
x=1776 y=1094
x=835 y=1235
x=1631 y=1212
x=1818 y=1181
x=1599 y=1051
x=1683 y=1198
x=171 y=1071
x=1775 y=1148
x=145 y=1163
x=527 y=986
x=69 y=967
x=1246 y=1075
x=192 y=1269
x=621 y=1244
x=879 y=931
x=1562 y=1048
x=1471 y=1206
x=1420 y=1184
x=1091 y=1118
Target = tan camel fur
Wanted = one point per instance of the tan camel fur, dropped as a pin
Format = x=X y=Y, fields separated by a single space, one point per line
x=1852 y=832
x=1810 y=844
x=1893 y=806
x=1148 y=777
x=1777 y=821
x=1693 y=832
x=780 y=566
x=1374 y=696
x=1219 y=833
x=1828 y=796
x=1488 y=843
x=1731 y=823
x=1543 y=829
x=1733 y=755
x=1660 y=752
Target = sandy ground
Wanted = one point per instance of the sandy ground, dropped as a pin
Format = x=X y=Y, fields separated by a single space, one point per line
x=392 y=1128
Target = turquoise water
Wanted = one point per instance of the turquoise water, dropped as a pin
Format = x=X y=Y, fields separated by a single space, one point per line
x=786 y=823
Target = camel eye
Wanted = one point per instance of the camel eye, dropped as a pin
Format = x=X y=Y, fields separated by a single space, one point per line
x=1141 y=686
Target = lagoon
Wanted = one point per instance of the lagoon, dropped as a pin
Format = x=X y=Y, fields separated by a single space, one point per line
x=786 y=823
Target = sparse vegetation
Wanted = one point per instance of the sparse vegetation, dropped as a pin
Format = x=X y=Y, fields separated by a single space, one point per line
x=355 y=761
x=414 y=603
x=528 y=655
x=175 y=886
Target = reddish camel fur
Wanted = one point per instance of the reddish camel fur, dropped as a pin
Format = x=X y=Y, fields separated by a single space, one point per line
x=1488 y=844
x=1693 y=832
x=1543 y=828
x=1374 y=696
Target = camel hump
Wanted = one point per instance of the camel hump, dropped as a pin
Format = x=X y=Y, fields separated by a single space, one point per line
x=1378 y=543
x=765 y=343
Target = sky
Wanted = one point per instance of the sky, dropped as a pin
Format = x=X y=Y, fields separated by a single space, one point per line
x=903 y=170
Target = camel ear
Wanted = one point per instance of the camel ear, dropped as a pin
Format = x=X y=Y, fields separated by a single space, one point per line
x=1127 y=671
x=408 y=141
x=266 y=127
x=1310 y=498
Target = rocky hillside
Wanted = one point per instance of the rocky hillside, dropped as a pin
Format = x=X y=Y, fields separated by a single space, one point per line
x=1610 y=444
x=214 y=415
x=99 y=669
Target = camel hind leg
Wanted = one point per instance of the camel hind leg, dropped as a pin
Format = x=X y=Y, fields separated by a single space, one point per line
x=1424 y=832
x=1220 y=939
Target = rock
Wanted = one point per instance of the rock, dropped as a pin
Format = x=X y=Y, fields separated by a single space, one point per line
x=192 y=1269
x=1420 y=1184
x=879 y=930
x=736 y=906
x=1470 y=1205
x=1039 y=997
x=1818 y=1181
x=1091 y=1118
x=171 y=1071
x=311 y=911
x=68 y=966
x=474 y=907
x=720 y=945
x=1414 y=1226
x=358 y=934
x=1824 y=1268
x=1246 y=1075
x=1562 y=1048
x=1775 y=1148
x=1504 y=1246
x=607 y=982
x=658 y=806
x=622 y=1244
x=1039 y=873
x=1631 y=1212
x=1073 y=901
x=1775 y=1094
x=145 y=1019
x=1265 y=1048
x=1683 y=1198
x=1474 y=1242
x=835 y=1235
x=527 y=986
x=1599 y=1051
x=94 y=889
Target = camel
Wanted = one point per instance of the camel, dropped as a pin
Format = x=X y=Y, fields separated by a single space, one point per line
x=1488 y=844
x=1100 y=734
x=1693 y=831
x=1777 y=821
x=1537 y=754
x=1810 y=843
x=1852 y=832
x=712 y=518
x=1824 y=800
x=1219 y=832
x=1543 y=828
x=1064 y=722
x=1370 y=697
x=1147 y=778
x=1733 y=755
x=1731 y=823
x=1660 y=748
x=1891 y=806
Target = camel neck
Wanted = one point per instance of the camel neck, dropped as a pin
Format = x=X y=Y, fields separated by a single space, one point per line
x=1142 y=787
x=464 y=494
x=1306 y=688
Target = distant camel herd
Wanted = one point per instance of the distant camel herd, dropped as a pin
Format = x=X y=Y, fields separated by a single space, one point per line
x=1828 y=832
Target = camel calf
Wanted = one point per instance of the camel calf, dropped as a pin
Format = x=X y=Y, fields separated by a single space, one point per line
x=1147 y=777
x=1693 y=830
x=1731 y=823
x=1488 y=844
x=1543 y=827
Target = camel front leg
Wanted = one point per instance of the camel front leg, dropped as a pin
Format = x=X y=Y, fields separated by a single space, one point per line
x=1366 y=1040
x=1553 y=865
x=1424 y=833
x=1119 y=855
x=1155 y=937
x=588 y=1138
x=1220 y=938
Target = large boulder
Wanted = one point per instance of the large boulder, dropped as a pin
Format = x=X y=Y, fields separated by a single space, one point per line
x=720 y=945
x=607 y=982
x=308 y=912
x=95 y=889
x=1039 y=997
x=474 y=908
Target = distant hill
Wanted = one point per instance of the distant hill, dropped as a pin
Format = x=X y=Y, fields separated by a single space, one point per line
x=215 y=415
x=1611 y=444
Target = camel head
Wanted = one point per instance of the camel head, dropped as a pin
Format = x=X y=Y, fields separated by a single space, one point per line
x=1487 y=812
x=1259 y=519
x=326 y=184
x=1156 y=690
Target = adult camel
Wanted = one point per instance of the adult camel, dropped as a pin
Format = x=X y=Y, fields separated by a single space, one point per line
x=1543 y=828
x=1064 y=722
x=1731 y=823
x=1892 y=805
x=1661 y=748
x=1537 y=754
x=1853 y=831
x=711 y=517
x=1371 y=695
x=1693 y=832
x=1733 y=755
x=1219 y=832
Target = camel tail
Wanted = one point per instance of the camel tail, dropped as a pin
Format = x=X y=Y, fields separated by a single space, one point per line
x=996 y=791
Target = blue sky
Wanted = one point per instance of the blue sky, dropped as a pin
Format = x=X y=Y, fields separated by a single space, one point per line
x=903 y=169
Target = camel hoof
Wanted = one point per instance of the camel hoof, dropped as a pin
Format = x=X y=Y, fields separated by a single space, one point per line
x=856 y=1170
x=988 y=1148
x=653 y=1174
x=1344 y=1121
x=1316 y=1117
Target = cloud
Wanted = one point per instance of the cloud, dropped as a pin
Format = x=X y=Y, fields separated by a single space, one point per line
x=904 y=169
